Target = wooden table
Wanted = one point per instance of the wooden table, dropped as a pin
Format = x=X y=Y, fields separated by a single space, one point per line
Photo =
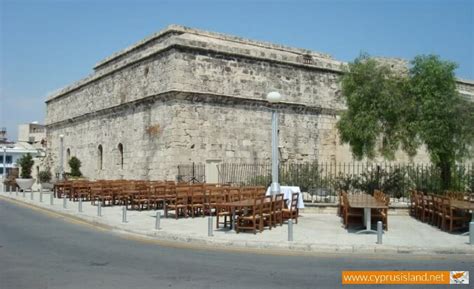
x=464 y=205
x=237 y=204
x=366 y=202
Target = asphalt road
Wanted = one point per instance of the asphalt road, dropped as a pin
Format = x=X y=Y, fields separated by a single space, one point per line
x=38 y=250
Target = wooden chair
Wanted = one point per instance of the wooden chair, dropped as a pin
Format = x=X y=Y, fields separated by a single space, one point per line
x=455 y=196
x=340 y=207
x=381 y=214
x=158 y=196
x=214 y=196
x=419 y=205
x=277 y=212
x=253 y=219
x=457 y=219
x=438 y=211
x=103 y=194
x=349 y=212
x=292 y=212
x=267 y=211
x=427 y=214
x=197 y=201
x=222 y=211
x=179 y=204
x=140 y=199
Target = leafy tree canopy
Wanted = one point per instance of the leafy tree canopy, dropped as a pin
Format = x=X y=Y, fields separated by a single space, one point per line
x=389 y=110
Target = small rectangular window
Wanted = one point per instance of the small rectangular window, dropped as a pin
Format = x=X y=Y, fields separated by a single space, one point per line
x=8 y=159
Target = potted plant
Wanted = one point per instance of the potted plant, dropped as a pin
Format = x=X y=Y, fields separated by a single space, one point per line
x=75 y=165
x=25 y=182
x=44 y=178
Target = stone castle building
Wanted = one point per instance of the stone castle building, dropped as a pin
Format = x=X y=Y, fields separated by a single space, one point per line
x=184 y=95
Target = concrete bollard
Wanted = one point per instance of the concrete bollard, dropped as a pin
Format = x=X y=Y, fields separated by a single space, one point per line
x=24 y=194
x=290 y=230
x=379 y=232
x=158 y=221
x=41 y=195
x=79 y=205
x=16 y=191
x=31 y=196
x=124 y=214
x=51 y=199
x=64 y=202
x=209 y=227
x=471 y=233
x=99 y=209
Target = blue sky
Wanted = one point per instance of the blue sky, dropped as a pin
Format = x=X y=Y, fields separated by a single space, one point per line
x=46 y=45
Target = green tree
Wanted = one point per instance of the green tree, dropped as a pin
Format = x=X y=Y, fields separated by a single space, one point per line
x=405 y=110
x=444 y=119
x=26 y=163
x=75 y=165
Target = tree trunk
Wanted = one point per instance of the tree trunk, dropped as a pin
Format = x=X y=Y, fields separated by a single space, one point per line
x=445 y=176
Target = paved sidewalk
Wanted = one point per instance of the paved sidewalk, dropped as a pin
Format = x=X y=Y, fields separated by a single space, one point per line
x=314 y=232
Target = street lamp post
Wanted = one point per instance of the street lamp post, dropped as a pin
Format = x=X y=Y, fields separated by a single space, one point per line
x=61 y=157
x=274 y=97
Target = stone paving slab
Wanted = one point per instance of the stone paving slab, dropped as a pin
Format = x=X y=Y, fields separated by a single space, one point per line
x=313 y=233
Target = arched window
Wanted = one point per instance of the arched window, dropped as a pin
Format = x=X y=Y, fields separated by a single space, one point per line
x=120 y=149
x=100 y=155
x=68 y=156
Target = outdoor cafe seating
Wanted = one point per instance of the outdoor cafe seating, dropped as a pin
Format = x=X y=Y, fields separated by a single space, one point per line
x=449 y=212
x=364 y=209
x=242 y=208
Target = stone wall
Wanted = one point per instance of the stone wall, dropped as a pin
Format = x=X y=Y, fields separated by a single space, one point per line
x=184 y=95
x=181 y=128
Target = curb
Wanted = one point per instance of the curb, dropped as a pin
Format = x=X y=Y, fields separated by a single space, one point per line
x=169 y=239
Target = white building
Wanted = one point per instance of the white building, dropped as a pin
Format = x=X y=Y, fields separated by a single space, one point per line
x=30 y=140
x=11 y=152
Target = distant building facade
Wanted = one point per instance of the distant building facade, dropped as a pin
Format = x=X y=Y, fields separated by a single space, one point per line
x=11 y=152
x=184 y=95
x=32 y=133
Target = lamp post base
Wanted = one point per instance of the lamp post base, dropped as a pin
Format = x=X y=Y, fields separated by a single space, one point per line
x=275 y=189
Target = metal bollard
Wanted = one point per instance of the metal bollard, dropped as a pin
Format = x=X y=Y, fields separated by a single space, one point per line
x=471 y=233
x=51 y=199
x=64 y=202
x=379 y=232
x=290 y=230
x=209 y=227
x=99 y=209
x=79 y=205
x=124 y=214
x=157 y=222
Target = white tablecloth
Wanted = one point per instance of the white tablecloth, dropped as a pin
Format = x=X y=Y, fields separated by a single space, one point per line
x=287 y=191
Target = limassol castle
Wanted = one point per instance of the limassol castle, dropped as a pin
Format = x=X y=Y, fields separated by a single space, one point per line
x=185 y=95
